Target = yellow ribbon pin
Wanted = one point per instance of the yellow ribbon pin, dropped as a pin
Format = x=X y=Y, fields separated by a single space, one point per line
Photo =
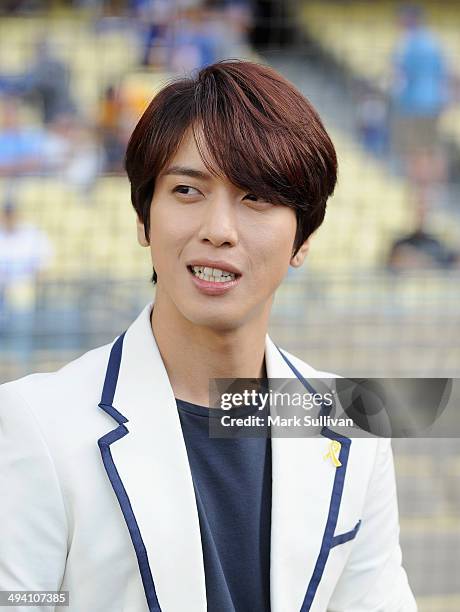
x=333 y=453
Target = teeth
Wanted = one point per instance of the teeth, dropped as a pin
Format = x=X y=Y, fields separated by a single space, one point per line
x=212 y=274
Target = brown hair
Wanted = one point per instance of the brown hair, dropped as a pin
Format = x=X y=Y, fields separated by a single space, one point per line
x=259 y=130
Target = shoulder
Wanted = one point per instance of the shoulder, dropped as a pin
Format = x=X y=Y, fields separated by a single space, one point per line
x=52 y=396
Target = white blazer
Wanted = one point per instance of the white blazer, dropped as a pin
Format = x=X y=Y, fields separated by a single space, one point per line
x=98 y=498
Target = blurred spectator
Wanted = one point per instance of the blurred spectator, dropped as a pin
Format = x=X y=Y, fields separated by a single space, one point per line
x=419 y=95
x=191 y=42
x=71 y=153
x=188 y=34
x=24 y=249
x=24 y=252
x=230 y=28
x=153 y=18
x=420 y=84
x=111 y=134
x=20 y=146
x=372 y=122
x=47 y=83
x=421 y=250
x=66 y=149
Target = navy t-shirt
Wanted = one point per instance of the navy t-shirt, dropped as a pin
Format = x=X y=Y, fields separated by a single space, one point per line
x=232 y=479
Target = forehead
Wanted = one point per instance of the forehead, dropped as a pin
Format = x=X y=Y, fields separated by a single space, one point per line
x=187 y=148
x=189 y=158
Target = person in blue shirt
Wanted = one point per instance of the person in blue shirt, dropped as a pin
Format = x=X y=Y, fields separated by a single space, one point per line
x=420 y=87
x=419 y=95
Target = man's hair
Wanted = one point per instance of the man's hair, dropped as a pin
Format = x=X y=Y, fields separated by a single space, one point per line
x=257 y=129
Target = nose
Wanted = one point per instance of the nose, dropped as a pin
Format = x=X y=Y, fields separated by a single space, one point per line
x=219 y=222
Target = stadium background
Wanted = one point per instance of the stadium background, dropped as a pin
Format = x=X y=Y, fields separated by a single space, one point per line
x=73 y=277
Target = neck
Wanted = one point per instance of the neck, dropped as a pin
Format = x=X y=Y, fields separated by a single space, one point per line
x=194 y=354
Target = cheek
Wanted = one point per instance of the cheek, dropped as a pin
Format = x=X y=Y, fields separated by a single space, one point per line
x=274 y=243
x=168 y=232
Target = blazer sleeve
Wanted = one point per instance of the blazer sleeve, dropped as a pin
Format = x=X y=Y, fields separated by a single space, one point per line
x=373 y=578
x=33 y=527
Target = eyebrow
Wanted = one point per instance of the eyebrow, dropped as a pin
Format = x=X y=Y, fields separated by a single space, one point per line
x=185 y=171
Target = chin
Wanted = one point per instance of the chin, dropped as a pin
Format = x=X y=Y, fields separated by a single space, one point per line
x=218 y=320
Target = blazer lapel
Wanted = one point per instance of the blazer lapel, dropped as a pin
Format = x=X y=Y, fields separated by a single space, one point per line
x=146 y=461
x=306 y=494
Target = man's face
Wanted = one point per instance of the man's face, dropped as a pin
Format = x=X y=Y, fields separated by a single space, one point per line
x=198 y=219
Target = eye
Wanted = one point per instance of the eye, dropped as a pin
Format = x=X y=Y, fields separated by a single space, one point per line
x=258 y=201
x=182 y=190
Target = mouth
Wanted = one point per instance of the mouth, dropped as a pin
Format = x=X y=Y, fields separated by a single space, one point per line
x=213 y=281
x=213 y=275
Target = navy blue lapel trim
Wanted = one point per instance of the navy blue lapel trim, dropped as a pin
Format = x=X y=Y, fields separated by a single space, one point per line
x=324 y=409
x=108 y=393
x=334 y=506
x=336 y=497
x=346 y=537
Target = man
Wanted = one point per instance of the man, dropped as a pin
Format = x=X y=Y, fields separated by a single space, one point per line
x=230 y=173
x=25 y=251
x=420 y=94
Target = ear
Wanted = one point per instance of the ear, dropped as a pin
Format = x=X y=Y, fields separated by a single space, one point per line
x=299 y=257
x=141 y=239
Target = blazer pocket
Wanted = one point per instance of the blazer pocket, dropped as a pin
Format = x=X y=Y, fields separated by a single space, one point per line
x=345 y=537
